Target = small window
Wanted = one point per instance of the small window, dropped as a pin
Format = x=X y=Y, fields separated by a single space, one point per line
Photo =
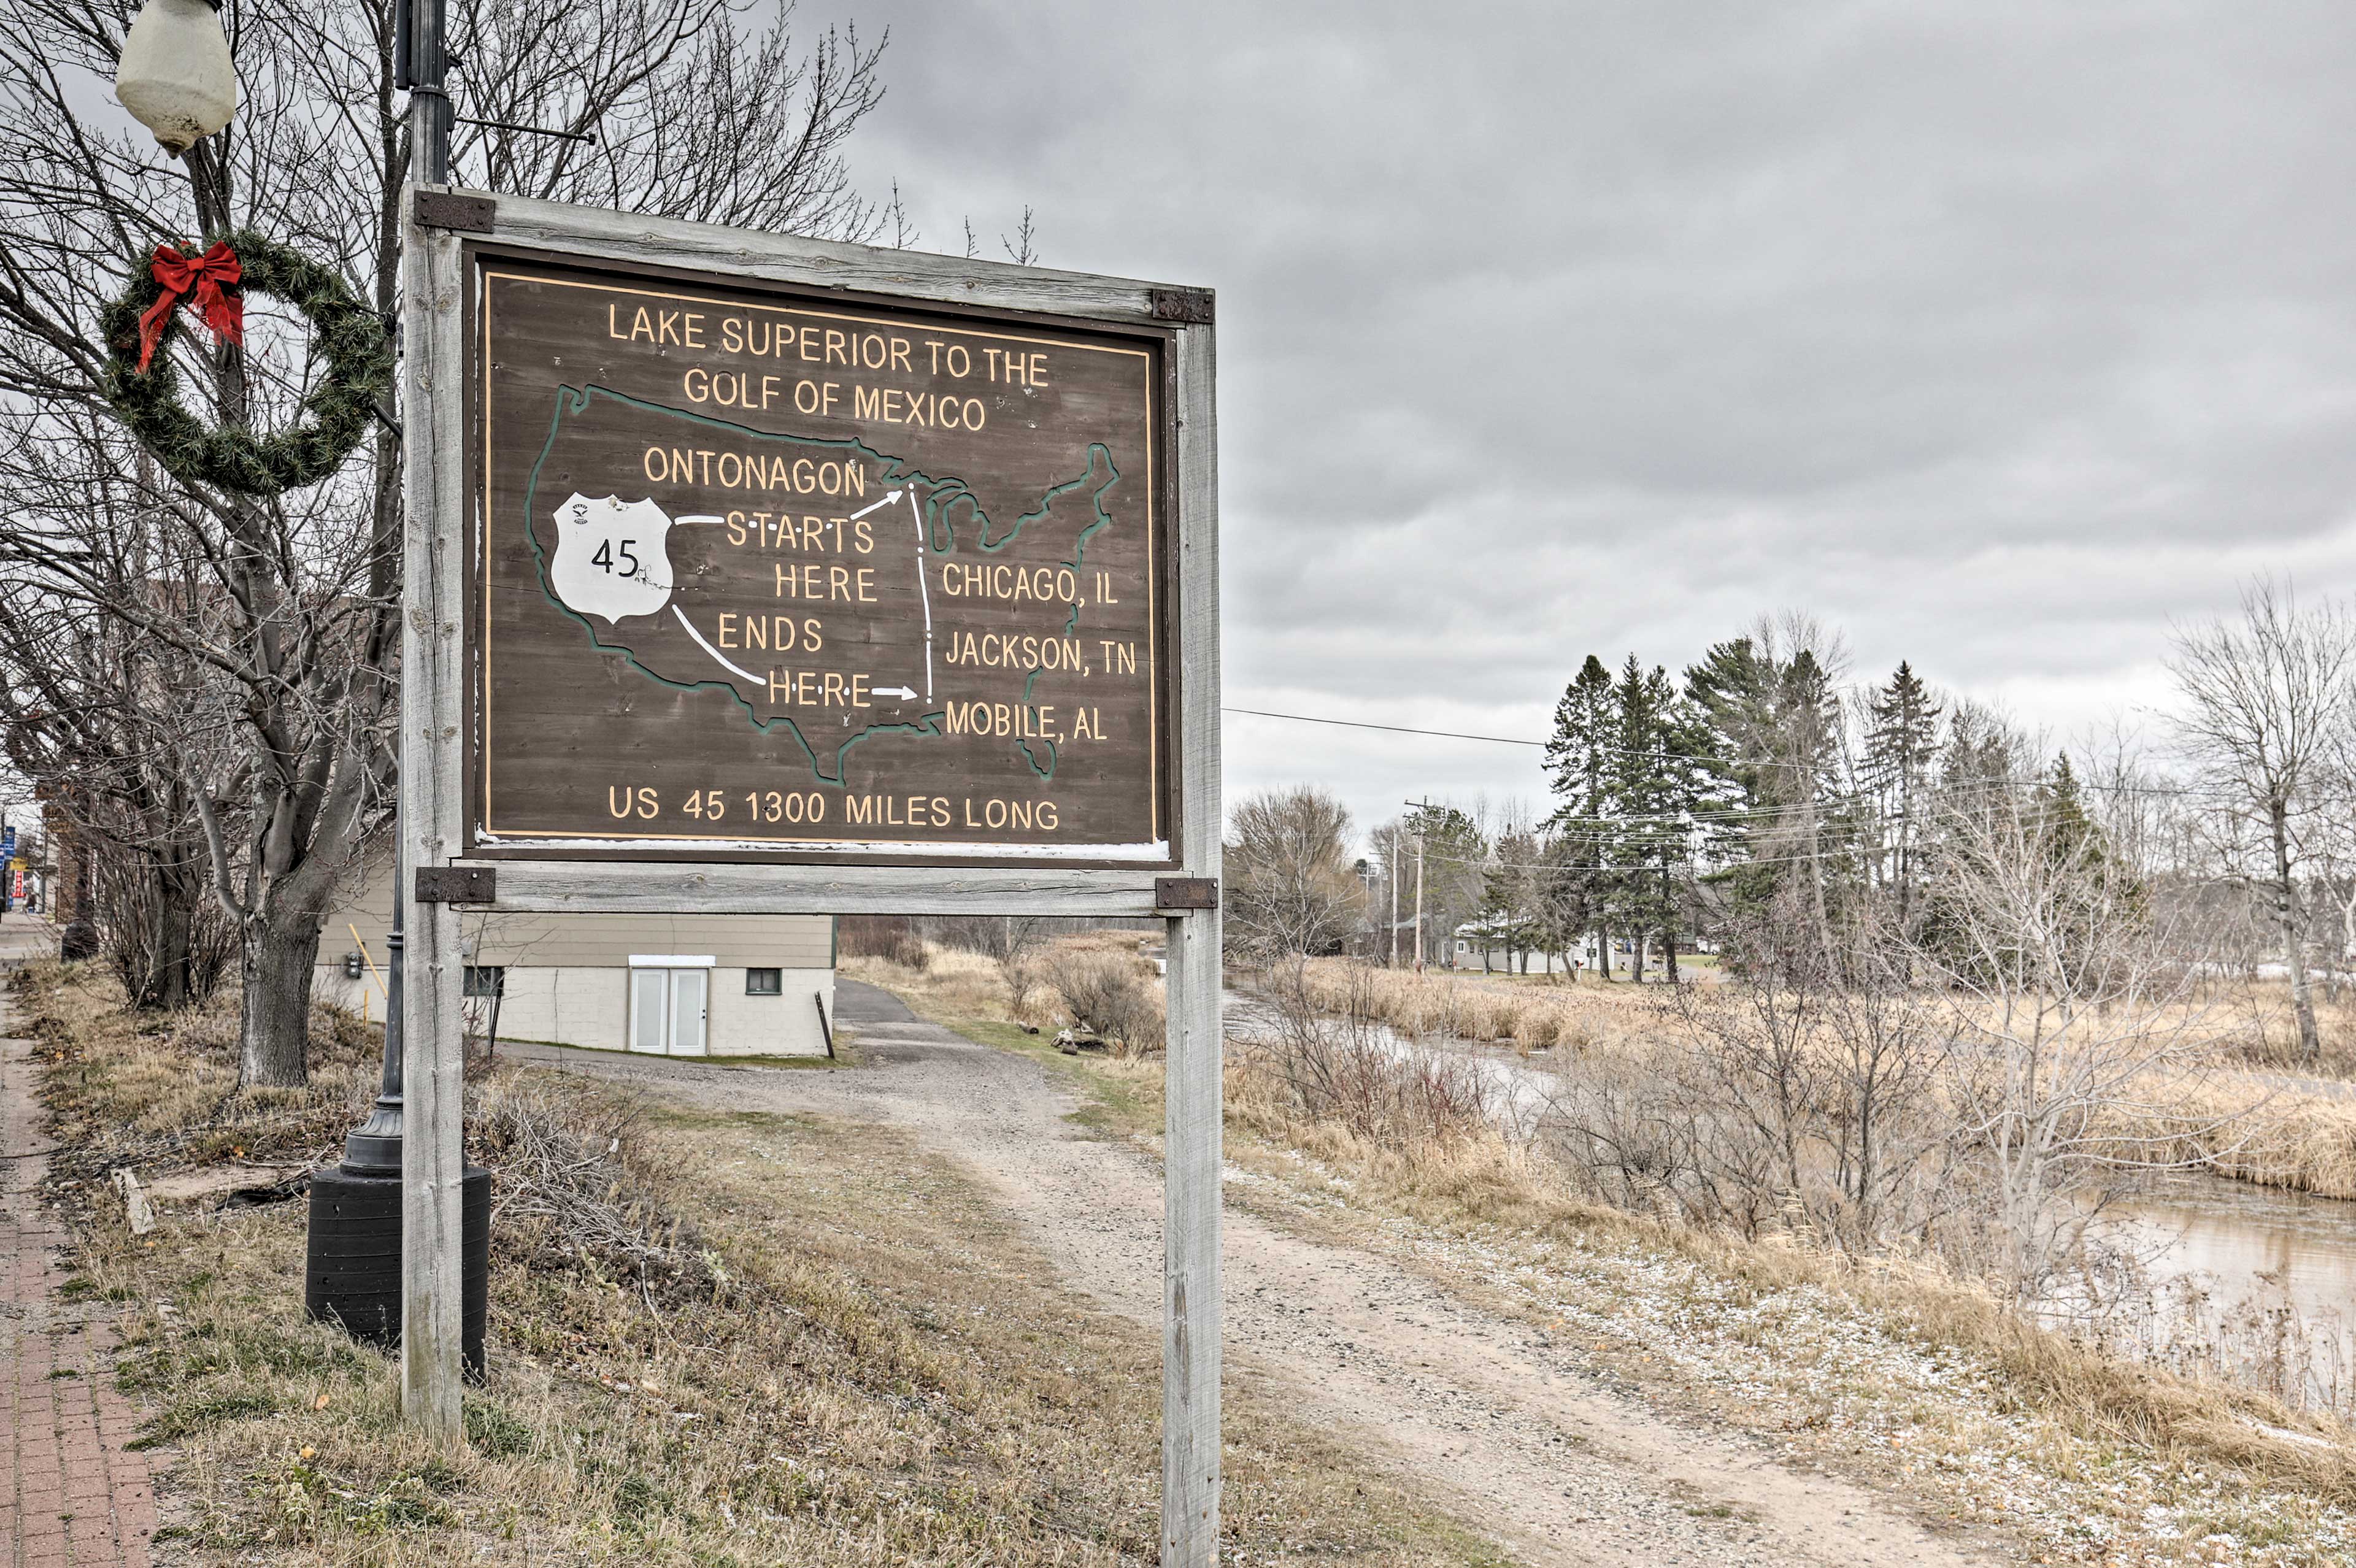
x=486 y=980
x=765 y=982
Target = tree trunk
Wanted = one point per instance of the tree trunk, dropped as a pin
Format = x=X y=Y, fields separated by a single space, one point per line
x=1669 y=927
x=176 y=896
x=1643 y=952
x=275 y=1034
x=1603 y=952
x=2302 y=1002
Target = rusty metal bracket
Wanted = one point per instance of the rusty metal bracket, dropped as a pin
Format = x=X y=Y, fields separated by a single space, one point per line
x=449 y=210
x=1193 y=307
x=1185 y=892
x=457 y=885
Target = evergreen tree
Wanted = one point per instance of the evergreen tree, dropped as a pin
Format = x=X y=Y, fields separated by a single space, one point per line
x=1563 y=895
x=2068 y=830
x=1655 y=782
x=1768 y=742
x=1901 y=747
x=1510 y=913
x=1580 y=757
x=1454 y=864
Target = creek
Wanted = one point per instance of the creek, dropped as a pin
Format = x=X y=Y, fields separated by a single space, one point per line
x=2223 y=1258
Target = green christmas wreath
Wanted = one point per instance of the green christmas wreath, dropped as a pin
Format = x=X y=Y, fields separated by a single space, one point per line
x=144 y=388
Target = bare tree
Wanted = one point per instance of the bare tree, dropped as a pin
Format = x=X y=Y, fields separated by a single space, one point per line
x=2267 y=707
x=1290 y=888
x=2076 y=1024
x=699 y=113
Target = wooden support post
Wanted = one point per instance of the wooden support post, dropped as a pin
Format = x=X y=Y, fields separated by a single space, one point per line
x=1191 y=1143
x=1190 y=1248
x=433 y=675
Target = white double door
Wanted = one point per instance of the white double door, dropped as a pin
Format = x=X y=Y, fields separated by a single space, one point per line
x=668 y=1009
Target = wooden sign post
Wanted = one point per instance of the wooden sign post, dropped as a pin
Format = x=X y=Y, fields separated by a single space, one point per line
x=752 y=574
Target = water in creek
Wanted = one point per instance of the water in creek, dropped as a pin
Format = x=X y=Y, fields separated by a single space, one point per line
x=2253 y=1251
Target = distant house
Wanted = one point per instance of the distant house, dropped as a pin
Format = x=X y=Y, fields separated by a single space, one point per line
x=658 y=985
x=1477 y=949
x=1480 y=948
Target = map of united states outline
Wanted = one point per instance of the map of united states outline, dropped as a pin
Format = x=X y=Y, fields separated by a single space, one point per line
x=948 y=505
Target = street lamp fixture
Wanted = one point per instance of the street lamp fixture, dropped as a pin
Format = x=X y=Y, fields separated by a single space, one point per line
x=175 y=76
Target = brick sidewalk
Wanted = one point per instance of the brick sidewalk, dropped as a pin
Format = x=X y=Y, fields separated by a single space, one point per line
x=68 y=1492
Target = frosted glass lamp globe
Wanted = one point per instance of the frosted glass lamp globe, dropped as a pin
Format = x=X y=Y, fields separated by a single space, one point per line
x=175 y=76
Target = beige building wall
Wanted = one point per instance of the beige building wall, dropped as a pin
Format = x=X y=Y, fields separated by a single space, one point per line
x=567 y=976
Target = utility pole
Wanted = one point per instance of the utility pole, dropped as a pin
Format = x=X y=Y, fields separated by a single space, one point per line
x=1427 y=808
x=1393 y=858
x=1418 y=904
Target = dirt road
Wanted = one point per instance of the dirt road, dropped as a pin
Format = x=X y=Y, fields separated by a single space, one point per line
x=1475 y=1412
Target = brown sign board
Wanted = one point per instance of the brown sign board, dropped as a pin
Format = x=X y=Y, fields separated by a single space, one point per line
x=769 y=572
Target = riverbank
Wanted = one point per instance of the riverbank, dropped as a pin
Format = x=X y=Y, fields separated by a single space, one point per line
x=1884 y=1372
x=2241 y=1107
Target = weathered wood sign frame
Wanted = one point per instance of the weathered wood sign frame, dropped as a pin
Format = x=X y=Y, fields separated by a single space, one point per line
x=448 y=234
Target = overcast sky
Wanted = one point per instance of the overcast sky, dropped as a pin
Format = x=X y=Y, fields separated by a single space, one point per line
x=1998 y=334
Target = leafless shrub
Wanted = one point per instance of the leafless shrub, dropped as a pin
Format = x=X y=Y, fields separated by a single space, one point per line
x=894 y=937
x=2080 y=1035
x=1803 y=1095
x=1109 y=993
x=1011 y=942
x=1290 y=887
x=1343 y=1065
x=167 y=943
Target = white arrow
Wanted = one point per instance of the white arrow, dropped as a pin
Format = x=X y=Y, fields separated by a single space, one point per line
x=905 y=693
x=715 y=653
x=924 y=592
x=888 y=498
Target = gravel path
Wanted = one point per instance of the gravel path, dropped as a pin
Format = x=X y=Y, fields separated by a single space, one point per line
x=1477 y=1413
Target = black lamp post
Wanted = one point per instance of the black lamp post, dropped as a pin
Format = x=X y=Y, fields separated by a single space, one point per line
x=373 y=1148
x=353 y=1270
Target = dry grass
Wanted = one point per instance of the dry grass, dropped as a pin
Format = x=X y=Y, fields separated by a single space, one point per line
x=1489 y=1188
x=1528 y=1012
x=2250 y=1126
x=2265 y=1032
x=842 y=1358
x=952 y=983
x=2240 y=1125
x=132 y=1089
x=1504 y=1199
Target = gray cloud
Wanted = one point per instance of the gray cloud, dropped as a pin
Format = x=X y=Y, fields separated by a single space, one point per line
x=1996 y=333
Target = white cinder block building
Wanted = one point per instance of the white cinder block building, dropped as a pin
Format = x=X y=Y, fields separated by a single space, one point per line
x=704 y=985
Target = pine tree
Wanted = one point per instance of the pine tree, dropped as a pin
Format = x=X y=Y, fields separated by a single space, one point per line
x=1901 y=746
x=1768 y=744
x=1454 y=863
x=1579 y=762
x=1655 y=785
x=2068 y=829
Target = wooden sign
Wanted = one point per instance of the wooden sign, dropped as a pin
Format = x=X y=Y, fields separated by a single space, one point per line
x=814 y=578
x=773 y=572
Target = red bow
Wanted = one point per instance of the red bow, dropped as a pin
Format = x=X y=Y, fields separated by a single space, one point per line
x=206 y=276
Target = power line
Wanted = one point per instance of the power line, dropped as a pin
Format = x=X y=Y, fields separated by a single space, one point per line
x=1393 y=729
x=1672 y=756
